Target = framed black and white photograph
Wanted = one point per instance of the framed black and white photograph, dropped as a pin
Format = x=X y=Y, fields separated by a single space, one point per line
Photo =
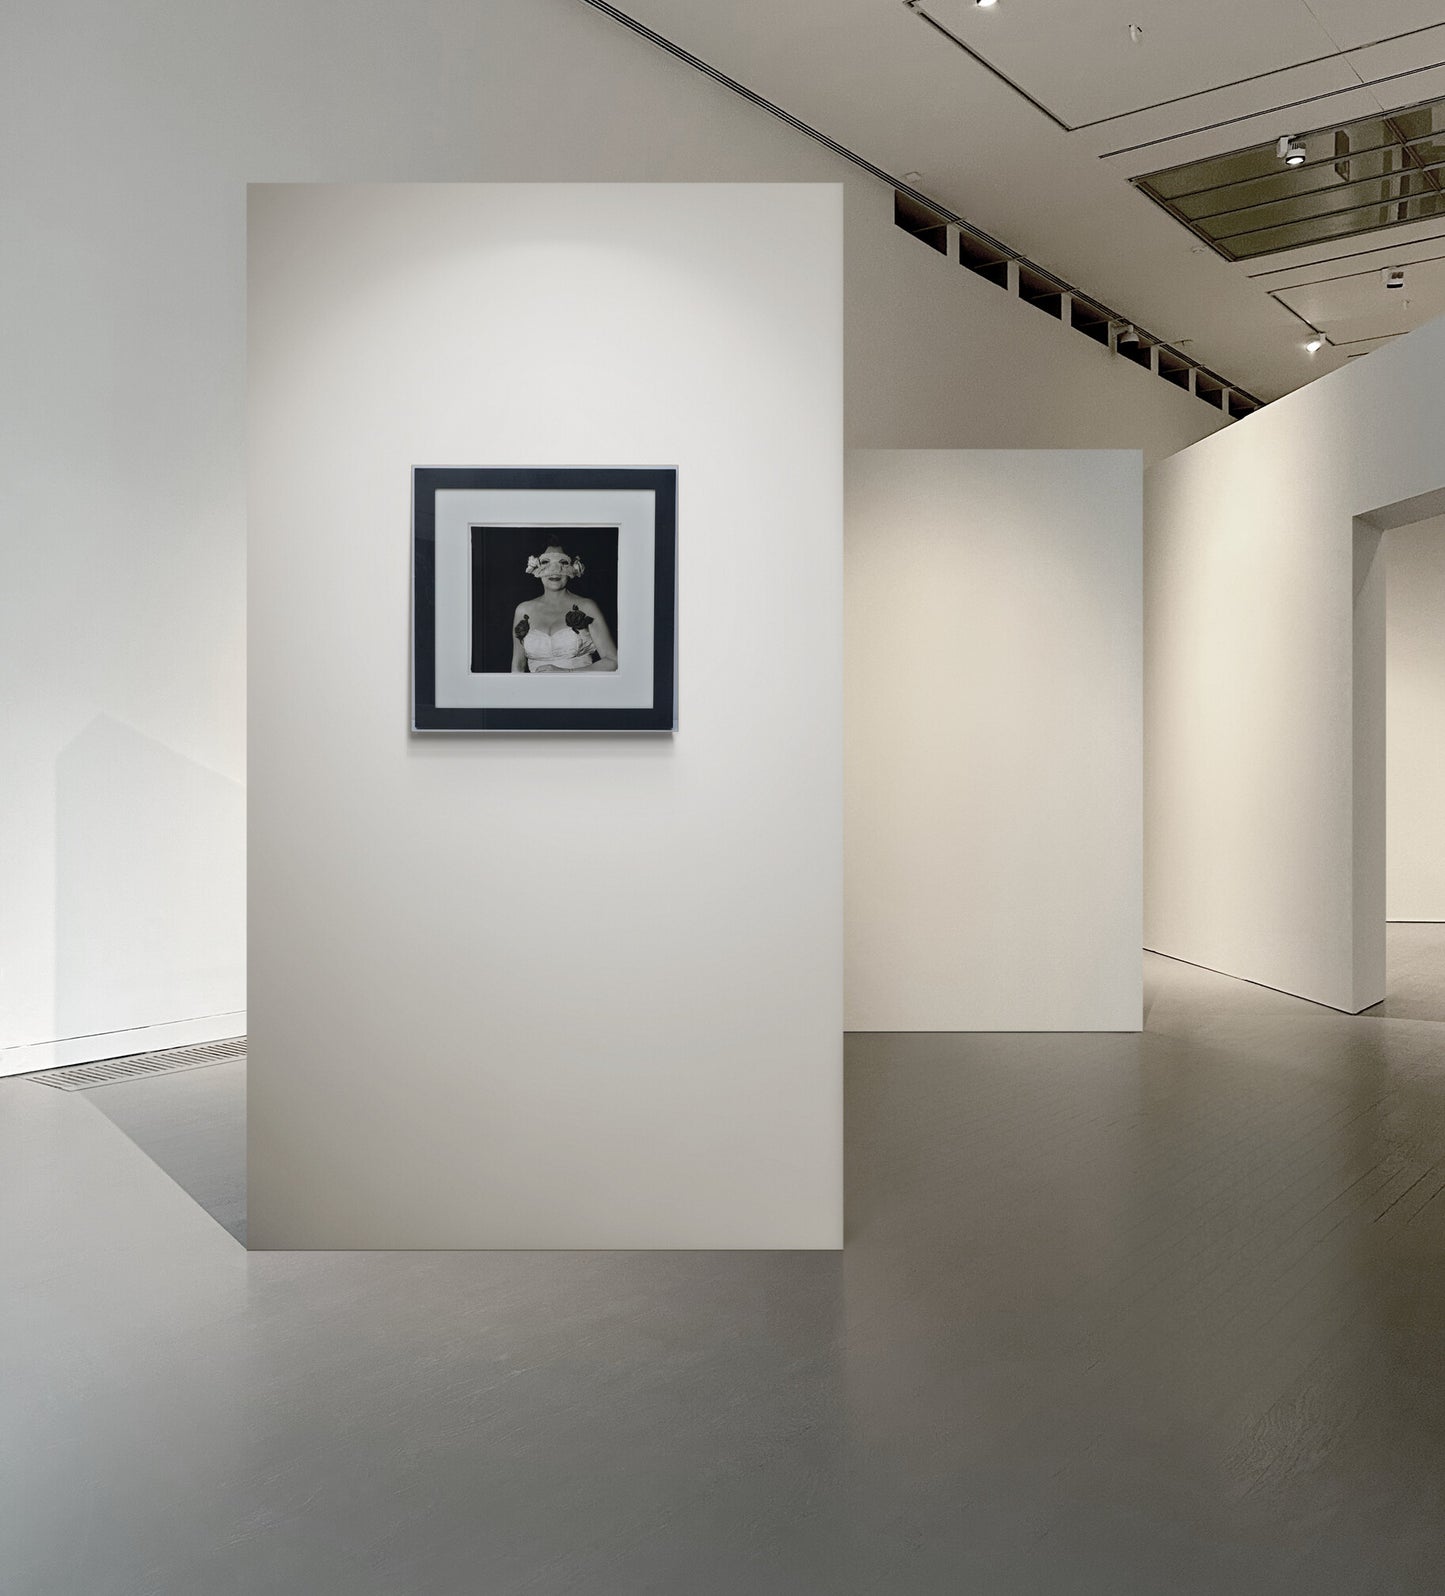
x=544 y=598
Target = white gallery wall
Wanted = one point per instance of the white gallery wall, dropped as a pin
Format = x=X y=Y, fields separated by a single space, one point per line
x=1264 y=675
x=129 y=134
x=994 y=679
x=552 y=990
x=1415 y=721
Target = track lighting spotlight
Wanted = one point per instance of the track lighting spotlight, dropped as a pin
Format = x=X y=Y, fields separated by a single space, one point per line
x=1394 y=276
x=1127 y=336
x=1291 y=151
x=1136 y=33
x=1315 y=345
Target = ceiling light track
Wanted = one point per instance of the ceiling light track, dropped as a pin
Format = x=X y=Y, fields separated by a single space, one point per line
x=1296 y=196
x=1317 y=340
x=1331 y=160
x=897 y=184
x=1318 y=216
x=917 y=8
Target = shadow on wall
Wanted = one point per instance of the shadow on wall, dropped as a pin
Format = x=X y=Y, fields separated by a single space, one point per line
x=149 y=884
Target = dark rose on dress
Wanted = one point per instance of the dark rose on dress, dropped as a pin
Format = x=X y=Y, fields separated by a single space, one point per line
x=521 y=629
x=578 y=620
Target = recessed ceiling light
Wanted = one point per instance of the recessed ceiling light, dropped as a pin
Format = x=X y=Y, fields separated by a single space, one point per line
x=1291 y=151
x=985 y=4
x=1394 y=276
x=1315 y=345
x=1136 y=33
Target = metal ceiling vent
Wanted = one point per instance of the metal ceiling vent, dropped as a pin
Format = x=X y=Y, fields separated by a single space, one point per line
x=1031 y=284
x=81 y=1077
x=1358 y=177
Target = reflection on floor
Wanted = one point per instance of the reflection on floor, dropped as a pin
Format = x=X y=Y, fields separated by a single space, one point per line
x=1118 y=1314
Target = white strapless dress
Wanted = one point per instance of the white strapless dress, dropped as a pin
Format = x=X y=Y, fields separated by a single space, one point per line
x=564 y=651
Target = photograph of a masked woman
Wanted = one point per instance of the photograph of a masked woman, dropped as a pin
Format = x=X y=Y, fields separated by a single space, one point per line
x=544 y=599
x=560 y=629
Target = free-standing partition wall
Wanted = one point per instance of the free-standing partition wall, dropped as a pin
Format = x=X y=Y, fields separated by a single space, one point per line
x=546 y=989
x=1264 y=678
x=993 y=740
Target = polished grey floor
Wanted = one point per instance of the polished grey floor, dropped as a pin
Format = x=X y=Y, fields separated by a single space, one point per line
x=1117 y=1315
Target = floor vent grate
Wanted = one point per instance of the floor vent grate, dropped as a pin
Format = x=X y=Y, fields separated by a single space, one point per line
x=81 y=1077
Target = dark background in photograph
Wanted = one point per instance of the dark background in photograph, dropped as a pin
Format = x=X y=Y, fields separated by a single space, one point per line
x=500 y=581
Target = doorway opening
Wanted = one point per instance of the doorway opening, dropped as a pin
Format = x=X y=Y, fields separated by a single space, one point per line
x=1400 y=756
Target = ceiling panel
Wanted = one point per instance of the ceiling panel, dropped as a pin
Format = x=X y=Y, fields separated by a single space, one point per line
x=1351 y=23
x=1076 y=58
x=874 y=76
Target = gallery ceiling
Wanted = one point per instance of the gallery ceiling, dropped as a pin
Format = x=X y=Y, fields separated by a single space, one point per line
x=1036 y=120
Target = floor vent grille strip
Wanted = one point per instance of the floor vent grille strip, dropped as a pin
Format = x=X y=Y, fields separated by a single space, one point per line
x=81 y=1077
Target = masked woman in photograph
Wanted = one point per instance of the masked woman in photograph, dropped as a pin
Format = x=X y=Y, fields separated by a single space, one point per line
x=559 y=631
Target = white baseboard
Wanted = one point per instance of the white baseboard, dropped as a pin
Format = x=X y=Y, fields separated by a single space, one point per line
x=119 y=1044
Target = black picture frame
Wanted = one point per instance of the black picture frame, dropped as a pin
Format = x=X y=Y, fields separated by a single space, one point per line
x=660 y=481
